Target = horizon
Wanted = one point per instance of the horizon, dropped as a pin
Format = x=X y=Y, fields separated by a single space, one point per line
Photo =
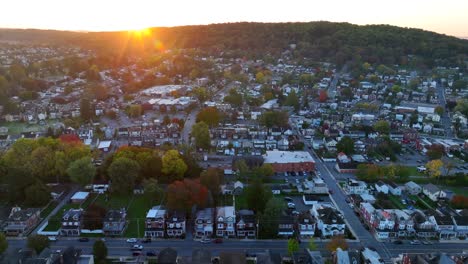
x=448 y=17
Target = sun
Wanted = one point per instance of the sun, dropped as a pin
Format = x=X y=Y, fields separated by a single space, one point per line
x=141 y=33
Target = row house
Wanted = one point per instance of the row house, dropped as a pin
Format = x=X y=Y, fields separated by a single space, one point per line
x=225 y=221
x=423 y=227
x=444 y=225
x=175 y=224
x=72 y=221
x=22 y=221
x=155 y=221
x=246 y=226
x=306 y=225
x=204 y=223
x=286 y=226
x=115 y=222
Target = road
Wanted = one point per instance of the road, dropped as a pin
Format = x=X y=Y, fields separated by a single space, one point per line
x=334 y=82
x=445 y=120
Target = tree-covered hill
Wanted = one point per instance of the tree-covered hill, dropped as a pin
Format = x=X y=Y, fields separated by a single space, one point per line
x=338 y=42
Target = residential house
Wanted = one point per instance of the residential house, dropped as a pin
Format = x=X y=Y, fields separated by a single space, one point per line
x=433 y=192
x=235 y=188
x=115 y=222
x=72 y=222
x=394 y=189
x=246 y=226
x=225 y=221
x=461 y=225
x=355 y=187
x=175 y=224
x=445 y=225
x=204 y=223
x=380 y=186
x=22 y=221
x=422 y=226
x=285 y=226
x=79 y=197
x=383 y=223
x=329 y=221
x=413 y=188
x=155 y=222
x=306 y=225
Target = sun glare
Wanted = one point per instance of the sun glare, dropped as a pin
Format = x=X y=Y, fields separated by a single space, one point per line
x=141 y=33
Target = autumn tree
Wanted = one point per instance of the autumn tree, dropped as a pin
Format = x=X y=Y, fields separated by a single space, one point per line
x=135 y=111
x=209 y=115
x=123 y=173
x=435 y=151
x=459 y=202
x=173 y=166
x=433 y=168
x=448 y=167
x=182 y=195
x=92 y=217
x=439 y=110
x=323 y=96
x=201 y=94
x=312 y=246
x=201 y=133
x=82 y=171
x=337 y=242
x=37 y=195
x=345 y=145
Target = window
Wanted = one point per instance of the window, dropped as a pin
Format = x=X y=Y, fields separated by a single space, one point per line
x=220 y=226
x=177 y=225
x=171 y=225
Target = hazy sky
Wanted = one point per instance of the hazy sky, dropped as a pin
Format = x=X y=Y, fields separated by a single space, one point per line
x=448 y=16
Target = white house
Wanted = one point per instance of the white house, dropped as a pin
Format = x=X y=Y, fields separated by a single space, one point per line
x=394 y=189
x=356 y=187
x=433 y=192
x=329 y=221
x=225 y=221
x=380 y=186
x=413 y=188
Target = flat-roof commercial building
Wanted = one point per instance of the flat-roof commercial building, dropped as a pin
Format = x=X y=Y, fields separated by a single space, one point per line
x=289 y=161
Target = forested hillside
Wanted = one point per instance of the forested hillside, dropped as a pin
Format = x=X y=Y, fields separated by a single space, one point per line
x=337 y=42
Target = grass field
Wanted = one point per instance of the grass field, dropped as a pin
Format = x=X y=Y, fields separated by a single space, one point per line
x=46 y=211
x=396 y=201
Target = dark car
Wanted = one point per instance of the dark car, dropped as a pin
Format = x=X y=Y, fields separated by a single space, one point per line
x=136 y=253
x=398 y=242
x=83 y=239
x=218 y=241
x=147 y=240
x=151 y=253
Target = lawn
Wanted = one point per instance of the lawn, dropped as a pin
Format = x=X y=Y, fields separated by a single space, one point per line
x=16 y=128
x=396 y=201
x=422 y=202
x=137 y=210
x=457 y=190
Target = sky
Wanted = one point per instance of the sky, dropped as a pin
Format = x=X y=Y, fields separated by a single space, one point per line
x=448 y=17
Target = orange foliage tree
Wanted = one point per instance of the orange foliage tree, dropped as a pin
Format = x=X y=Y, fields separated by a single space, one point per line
x=182 y=195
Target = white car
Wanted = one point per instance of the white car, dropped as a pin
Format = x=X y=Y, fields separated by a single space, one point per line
x=137 y=247
x=52 y=238
x=291 y=205
x=132 y=240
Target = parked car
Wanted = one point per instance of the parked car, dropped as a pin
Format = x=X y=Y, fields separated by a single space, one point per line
x=415 y=242
x=151 y=253
x=205 y=240
x=136 y=253
x=288 y=199
x=83 y=239
x=132 y=240
x=426 y=242
x=291 y=206
x=147 y=240
x=218 y=240
x=52 y=238
x=398 y=242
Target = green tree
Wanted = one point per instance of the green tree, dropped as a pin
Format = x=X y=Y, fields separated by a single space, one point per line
x=173 y=166
x=38 y=243
x=293 y=100
x=153 y=192
x=17 y=72
x=201 y=133
x=82 y=171
x=439 y=110
x=234 y=98
x=37 y=195
x=293 y=246
x=312 y=245
x=86 y=111
x=3 y=243
x=260 y=77
x=123 y=172
x=462 y=106
x=100 y=250
x=268 y=224
x=382 y=126
x=201 y=94
x=134 y=111
x=346 y=145
x=265 y=170
x=274 y=118
x=209 y=115
x=257 y=196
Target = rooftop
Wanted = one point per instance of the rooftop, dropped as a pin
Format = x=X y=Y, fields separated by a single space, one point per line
x=276 y=156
